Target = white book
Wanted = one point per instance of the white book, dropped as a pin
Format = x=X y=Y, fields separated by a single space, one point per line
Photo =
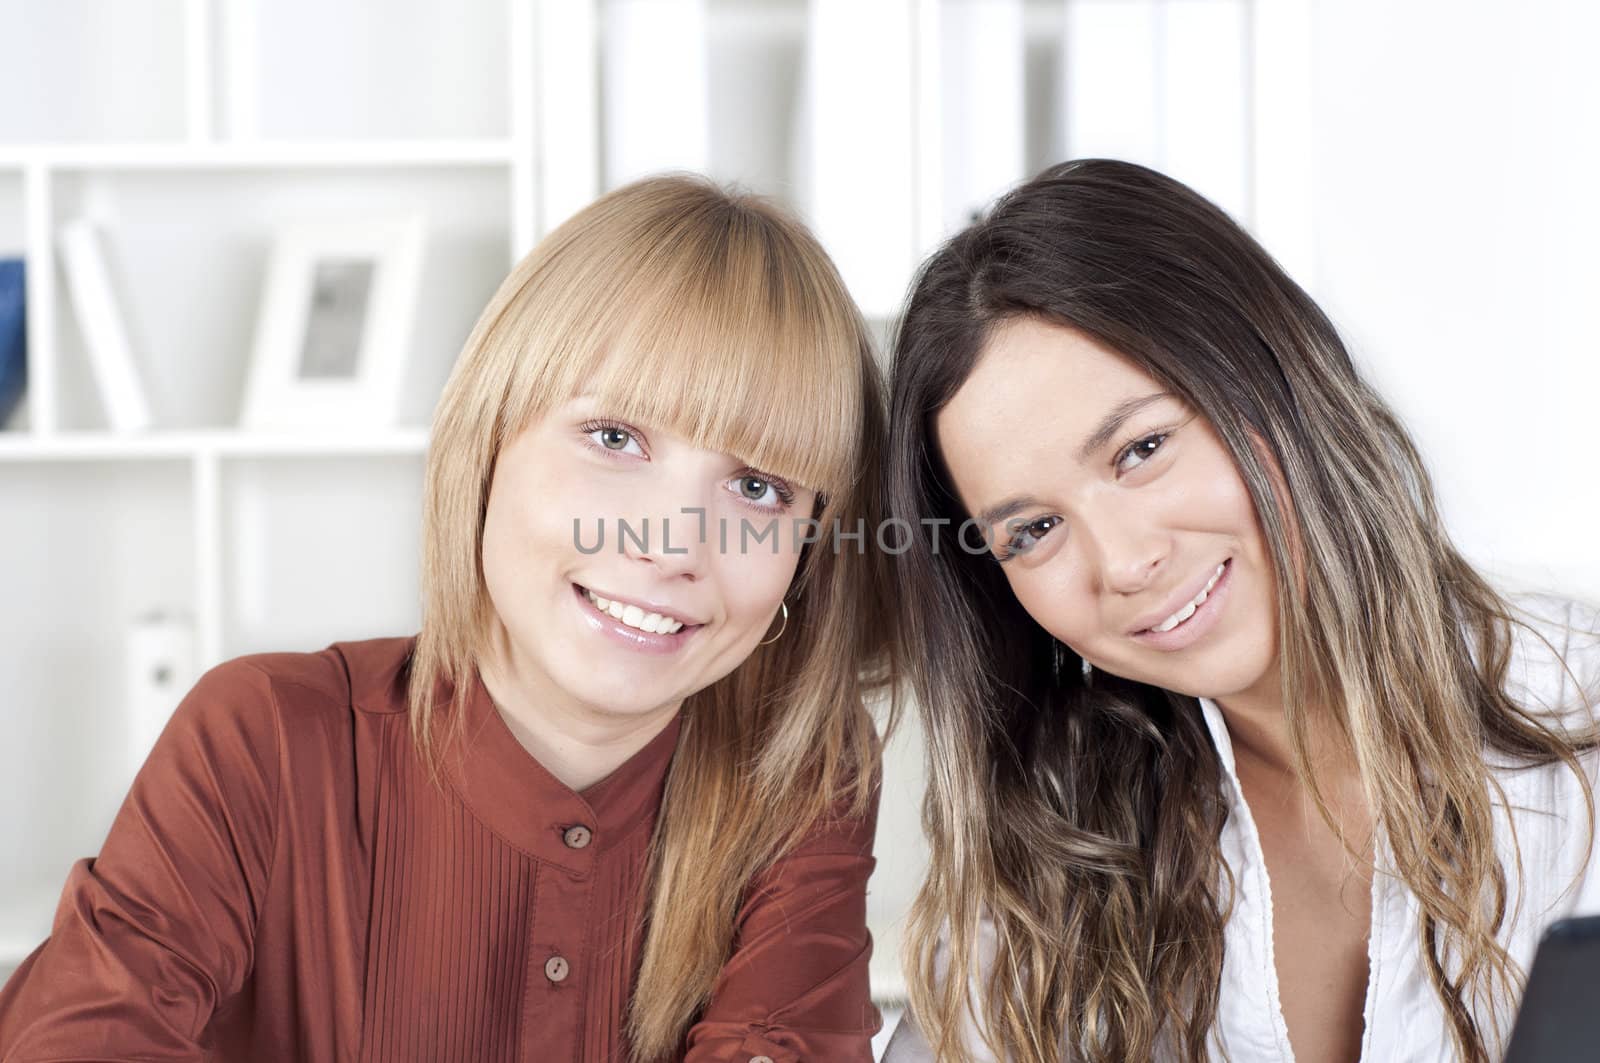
x=1163 y=83
x=1113 y=67
x=1205 y=110
x=655 y=96
x=982 y=105
x=858 y=146
x=568 y=121
x=104 y=333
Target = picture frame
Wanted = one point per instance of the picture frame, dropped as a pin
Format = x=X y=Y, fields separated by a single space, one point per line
x=335 y=320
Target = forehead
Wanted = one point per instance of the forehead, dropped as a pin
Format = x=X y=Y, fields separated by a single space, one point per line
x=1036 y=392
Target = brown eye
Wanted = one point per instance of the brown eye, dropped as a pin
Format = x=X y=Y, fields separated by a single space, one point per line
x=753 y=488
x=1140 y=451
x=1025 y=537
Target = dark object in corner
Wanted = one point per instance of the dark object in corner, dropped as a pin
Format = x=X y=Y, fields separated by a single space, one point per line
x=13 y=337
x=1560 y=1015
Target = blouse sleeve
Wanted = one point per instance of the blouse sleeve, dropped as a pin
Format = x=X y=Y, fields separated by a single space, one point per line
x=796 y=986
x=151 y=936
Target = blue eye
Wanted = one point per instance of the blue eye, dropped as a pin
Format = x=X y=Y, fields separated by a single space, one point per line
x=765 y=492
x=613 y=437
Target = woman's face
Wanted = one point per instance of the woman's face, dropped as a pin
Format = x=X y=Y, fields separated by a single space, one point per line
x=662 y=608
x=1115 y=508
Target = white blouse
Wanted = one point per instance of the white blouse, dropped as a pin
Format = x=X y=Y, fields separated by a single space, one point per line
x=1404 y=1020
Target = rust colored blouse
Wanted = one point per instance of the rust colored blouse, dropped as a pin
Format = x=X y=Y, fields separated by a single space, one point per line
x=285 y=883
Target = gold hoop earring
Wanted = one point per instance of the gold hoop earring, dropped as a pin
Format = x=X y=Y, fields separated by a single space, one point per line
x=767 y=642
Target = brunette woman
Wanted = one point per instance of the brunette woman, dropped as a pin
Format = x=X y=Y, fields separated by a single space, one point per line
x=1232 y=754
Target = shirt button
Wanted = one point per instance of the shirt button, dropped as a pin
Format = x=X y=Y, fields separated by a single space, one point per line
x=576 y=837
x=555 y=968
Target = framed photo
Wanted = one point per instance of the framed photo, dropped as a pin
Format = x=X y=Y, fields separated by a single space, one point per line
x=335 y=319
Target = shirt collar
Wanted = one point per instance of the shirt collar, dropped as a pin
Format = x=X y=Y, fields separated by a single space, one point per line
x=1218 y=726
x=515 y=796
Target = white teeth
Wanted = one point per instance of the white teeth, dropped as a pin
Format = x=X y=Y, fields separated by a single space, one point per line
x=1177 y=618
x=1187 y=611
x=633 y=616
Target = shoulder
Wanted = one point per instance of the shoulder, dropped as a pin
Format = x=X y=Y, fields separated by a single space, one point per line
x=261 y=707
x=363 y=676
x=1555 y=654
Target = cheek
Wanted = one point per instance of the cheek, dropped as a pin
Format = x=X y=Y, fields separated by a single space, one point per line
x=753 y=587
x=1214 y=501
x=1055 y=605
x=529 y=519
x=510 y=553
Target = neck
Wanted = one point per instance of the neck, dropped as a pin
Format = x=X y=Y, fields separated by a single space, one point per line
x=579 y=744
x=1264 y=760
x=1258 y=728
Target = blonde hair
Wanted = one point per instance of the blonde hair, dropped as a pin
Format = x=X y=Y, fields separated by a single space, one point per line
x=714 y=315
x=1083 y=818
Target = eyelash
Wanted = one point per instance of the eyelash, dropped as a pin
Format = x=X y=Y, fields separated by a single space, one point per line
x=785 y=494
x=784 y=491
x=1158 y=438
x=589 y=428
x=1011 y=548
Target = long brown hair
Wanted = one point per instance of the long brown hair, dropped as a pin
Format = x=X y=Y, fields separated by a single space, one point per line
x=1083 y=819
x=715 y=315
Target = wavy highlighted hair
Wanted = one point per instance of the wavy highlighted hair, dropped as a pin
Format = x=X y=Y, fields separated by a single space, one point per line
x=1082 y=819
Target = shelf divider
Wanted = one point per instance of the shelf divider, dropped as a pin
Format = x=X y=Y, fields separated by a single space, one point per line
x=40 y=274
x=207 y=506
x=566 y=95
x=223 y=442
x=519 y=72
x=260 y=154
x=198 y=63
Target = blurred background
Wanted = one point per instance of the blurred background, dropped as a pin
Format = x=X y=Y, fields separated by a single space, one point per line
x=172 y=172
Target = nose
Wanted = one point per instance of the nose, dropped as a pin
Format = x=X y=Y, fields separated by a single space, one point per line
x=673 y=541
x=1128 y=548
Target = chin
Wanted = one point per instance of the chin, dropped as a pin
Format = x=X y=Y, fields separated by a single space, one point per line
x=1221 y=684
x=618 y=698
x=1194 y=682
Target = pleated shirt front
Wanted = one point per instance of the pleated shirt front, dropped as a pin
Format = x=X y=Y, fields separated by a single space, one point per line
x=286 y=882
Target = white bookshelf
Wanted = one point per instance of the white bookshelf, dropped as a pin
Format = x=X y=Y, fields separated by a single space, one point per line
x=189 y=129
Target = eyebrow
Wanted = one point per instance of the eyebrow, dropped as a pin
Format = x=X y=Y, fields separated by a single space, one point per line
x=1114 y=421
x=1109 y=427
x=1003 y=511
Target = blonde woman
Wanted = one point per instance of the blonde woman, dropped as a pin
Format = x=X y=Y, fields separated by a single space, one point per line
x=1232 y=754
x=616 y=799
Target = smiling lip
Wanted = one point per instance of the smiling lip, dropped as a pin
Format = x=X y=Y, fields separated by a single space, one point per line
x=631 y=637
x=1205 y=616
x=647 y=607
